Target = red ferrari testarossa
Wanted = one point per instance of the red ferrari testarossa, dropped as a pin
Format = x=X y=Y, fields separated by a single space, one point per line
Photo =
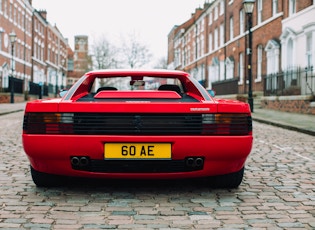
x=137 y=124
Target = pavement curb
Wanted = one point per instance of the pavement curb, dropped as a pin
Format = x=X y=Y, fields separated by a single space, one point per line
x=14 y=111
x=289 y=127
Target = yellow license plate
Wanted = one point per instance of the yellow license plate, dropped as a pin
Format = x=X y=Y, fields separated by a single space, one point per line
x=137 y=151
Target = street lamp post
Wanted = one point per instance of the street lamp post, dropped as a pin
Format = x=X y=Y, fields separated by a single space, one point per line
x=248 y=8
x=12 y=36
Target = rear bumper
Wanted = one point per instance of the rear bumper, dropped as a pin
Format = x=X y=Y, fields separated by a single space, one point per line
x=221 y=154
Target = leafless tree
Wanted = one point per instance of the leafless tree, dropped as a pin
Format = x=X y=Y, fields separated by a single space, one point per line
x=161 y=63
x=105 y=54
x=134 y=53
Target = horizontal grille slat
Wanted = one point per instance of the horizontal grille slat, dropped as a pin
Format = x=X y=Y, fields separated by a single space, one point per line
x=137 y=124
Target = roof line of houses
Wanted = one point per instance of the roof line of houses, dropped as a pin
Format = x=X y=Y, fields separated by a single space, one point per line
x=38 y=55
x=213 y=44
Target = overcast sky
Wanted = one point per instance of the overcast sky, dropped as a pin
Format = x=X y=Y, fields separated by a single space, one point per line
x=151 y=20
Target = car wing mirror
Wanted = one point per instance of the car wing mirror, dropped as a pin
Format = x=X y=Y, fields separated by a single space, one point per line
x=63 y=92
x=211 y=92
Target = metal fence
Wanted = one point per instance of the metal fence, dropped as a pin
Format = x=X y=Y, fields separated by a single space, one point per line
x=229 y=86
x=37 y=89
x=16 y=85
x=297 y=81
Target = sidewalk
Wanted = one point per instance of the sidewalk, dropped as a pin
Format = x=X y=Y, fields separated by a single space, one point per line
x=293 y=121
x=6 y=108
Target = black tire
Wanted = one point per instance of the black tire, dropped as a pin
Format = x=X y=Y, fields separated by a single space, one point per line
x=232 y=180
x=46 y=180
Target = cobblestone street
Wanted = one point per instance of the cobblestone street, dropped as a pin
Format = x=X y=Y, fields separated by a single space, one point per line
x=278 y=192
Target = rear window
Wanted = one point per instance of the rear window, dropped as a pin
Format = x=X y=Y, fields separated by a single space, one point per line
x=133 y=83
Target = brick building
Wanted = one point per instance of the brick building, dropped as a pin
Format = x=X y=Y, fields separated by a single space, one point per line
x=80 y=59
x=36 y=63
x=15 y=18
x=213 y=47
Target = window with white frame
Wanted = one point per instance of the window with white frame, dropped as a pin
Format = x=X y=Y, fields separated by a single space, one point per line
x=242 y=22
x=10 y=11
x=214 y=70
x=241 y=69
x=231 y=28
x=309 y=48
x=210 y=42
x=292 y=7
x=216 y=38
x=210 y=18
x=216 y=14
x=48 y=53
x=1 y=32
x=198 y=48
x=197 y=27
x=290 y=52
x=177 y=57
x=35 y=50
x=222 y=7
x=42 y=52
x=202 y=25
x=229 y=68
x=221 y=35
x=259 y=11
x=273 y=55
x=222 y=70
x=5 y=10
x=209 y=86
x=259 y=62
x=14 y=14
x=19 y=17
x=274 y=7
x=202 y=45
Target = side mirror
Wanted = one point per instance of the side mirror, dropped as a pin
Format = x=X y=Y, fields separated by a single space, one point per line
x=63 y=92
x=211 y=92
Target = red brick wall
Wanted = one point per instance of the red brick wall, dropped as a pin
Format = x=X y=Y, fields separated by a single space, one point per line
x=294 y=104
x=6 y=98
x=302 y=4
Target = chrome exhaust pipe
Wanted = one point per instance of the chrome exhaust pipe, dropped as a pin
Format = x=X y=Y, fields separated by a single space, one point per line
x=84 y=161
x=198 y=162
x=75 y=161
x=190 y=162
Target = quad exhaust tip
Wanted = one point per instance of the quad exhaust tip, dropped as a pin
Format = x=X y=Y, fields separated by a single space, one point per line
x=80 y=161
x=195 y=162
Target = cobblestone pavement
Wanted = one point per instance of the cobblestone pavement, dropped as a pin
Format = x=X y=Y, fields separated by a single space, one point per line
x=278 y=192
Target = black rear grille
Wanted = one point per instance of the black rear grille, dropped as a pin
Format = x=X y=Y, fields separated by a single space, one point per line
x=145 y=124
x=137 y=124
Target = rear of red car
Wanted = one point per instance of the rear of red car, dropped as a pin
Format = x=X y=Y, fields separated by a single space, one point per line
x=142 y=135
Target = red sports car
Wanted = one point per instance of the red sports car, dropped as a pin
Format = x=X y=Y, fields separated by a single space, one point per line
x=137 y=124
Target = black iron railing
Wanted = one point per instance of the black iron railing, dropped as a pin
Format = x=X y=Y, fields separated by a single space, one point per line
x=225 y=87
x=296 y=81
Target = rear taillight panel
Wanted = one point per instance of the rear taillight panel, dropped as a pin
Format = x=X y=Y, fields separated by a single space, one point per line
x=48 y=123
x=138 y=124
